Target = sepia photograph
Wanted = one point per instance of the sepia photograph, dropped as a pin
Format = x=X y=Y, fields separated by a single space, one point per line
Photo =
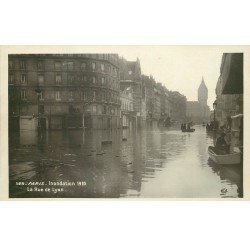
x=165 y=123
x=124 y=125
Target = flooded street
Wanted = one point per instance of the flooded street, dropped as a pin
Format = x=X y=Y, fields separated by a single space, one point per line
x=163 y=163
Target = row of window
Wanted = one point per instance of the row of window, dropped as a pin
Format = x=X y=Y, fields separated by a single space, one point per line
x=58 y=66
x=98 y=109
x=85 y=96
x=95 y=109
x=12 y=64
x=127 y=106
x=71 y=79
x=113 y=57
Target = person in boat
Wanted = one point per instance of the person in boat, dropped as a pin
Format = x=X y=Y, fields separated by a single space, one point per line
x=221 y=146
x=222 y=128
x=229 y=122
x=183 y=126
x=209 y=126
x=188 y=126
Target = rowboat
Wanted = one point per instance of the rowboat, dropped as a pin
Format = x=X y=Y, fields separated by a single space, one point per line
x=188 y=130
x=225 y=159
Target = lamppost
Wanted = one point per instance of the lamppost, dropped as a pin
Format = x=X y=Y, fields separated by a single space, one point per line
x=38 y=92
x=214 y=106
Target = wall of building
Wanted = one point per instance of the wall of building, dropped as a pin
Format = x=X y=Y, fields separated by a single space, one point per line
x=229 y=98
x=69 y=85
x=130 y=77
x=85 y=90
x=28 y=123
x=157 y=101
x=128 y=116
x=178 y=106
x=227 y=105
x=197 y=113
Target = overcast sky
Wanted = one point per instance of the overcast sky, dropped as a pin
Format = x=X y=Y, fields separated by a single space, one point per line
x=179 y=68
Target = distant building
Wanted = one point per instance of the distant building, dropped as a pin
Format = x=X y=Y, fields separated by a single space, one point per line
x=194 y=111
x=128 y=115
x=130 y=76
x=198 y=111
x=165 y=106
x=148 y=83
x=178 y=106
x=158 y=106
x=61 y=91
x=202 y=93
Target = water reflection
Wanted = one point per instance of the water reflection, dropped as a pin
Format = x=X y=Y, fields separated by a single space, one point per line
x=122 y=163
x=231 y=179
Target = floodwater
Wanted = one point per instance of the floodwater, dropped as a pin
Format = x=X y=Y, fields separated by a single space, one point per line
x=163 y=163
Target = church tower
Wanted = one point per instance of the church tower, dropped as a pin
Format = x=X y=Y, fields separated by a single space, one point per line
x=202 y=93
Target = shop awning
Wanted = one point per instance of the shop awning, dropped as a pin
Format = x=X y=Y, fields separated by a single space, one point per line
x=237 y=116
x=232 y=73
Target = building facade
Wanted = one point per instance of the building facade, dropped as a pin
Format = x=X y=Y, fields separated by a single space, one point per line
x=227 y=105
x=229 y=98
x=61 y=91
x=229 y=88
x=97 y=91
x=128 y=115
x=178 y=106
x=158 y=105
x=130 y=77
x=148 y=83
x=165 y=116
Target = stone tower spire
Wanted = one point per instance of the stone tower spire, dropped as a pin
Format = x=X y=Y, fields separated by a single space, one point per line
x=202 y=93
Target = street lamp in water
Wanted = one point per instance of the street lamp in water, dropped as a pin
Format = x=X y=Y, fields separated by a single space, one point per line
x=38 y=92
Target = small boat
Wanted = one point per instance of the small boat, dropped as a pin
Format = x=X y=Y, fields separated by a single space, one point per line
x=188 y=130
x=208 y=129
x=225 y=159
x=106 y=142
